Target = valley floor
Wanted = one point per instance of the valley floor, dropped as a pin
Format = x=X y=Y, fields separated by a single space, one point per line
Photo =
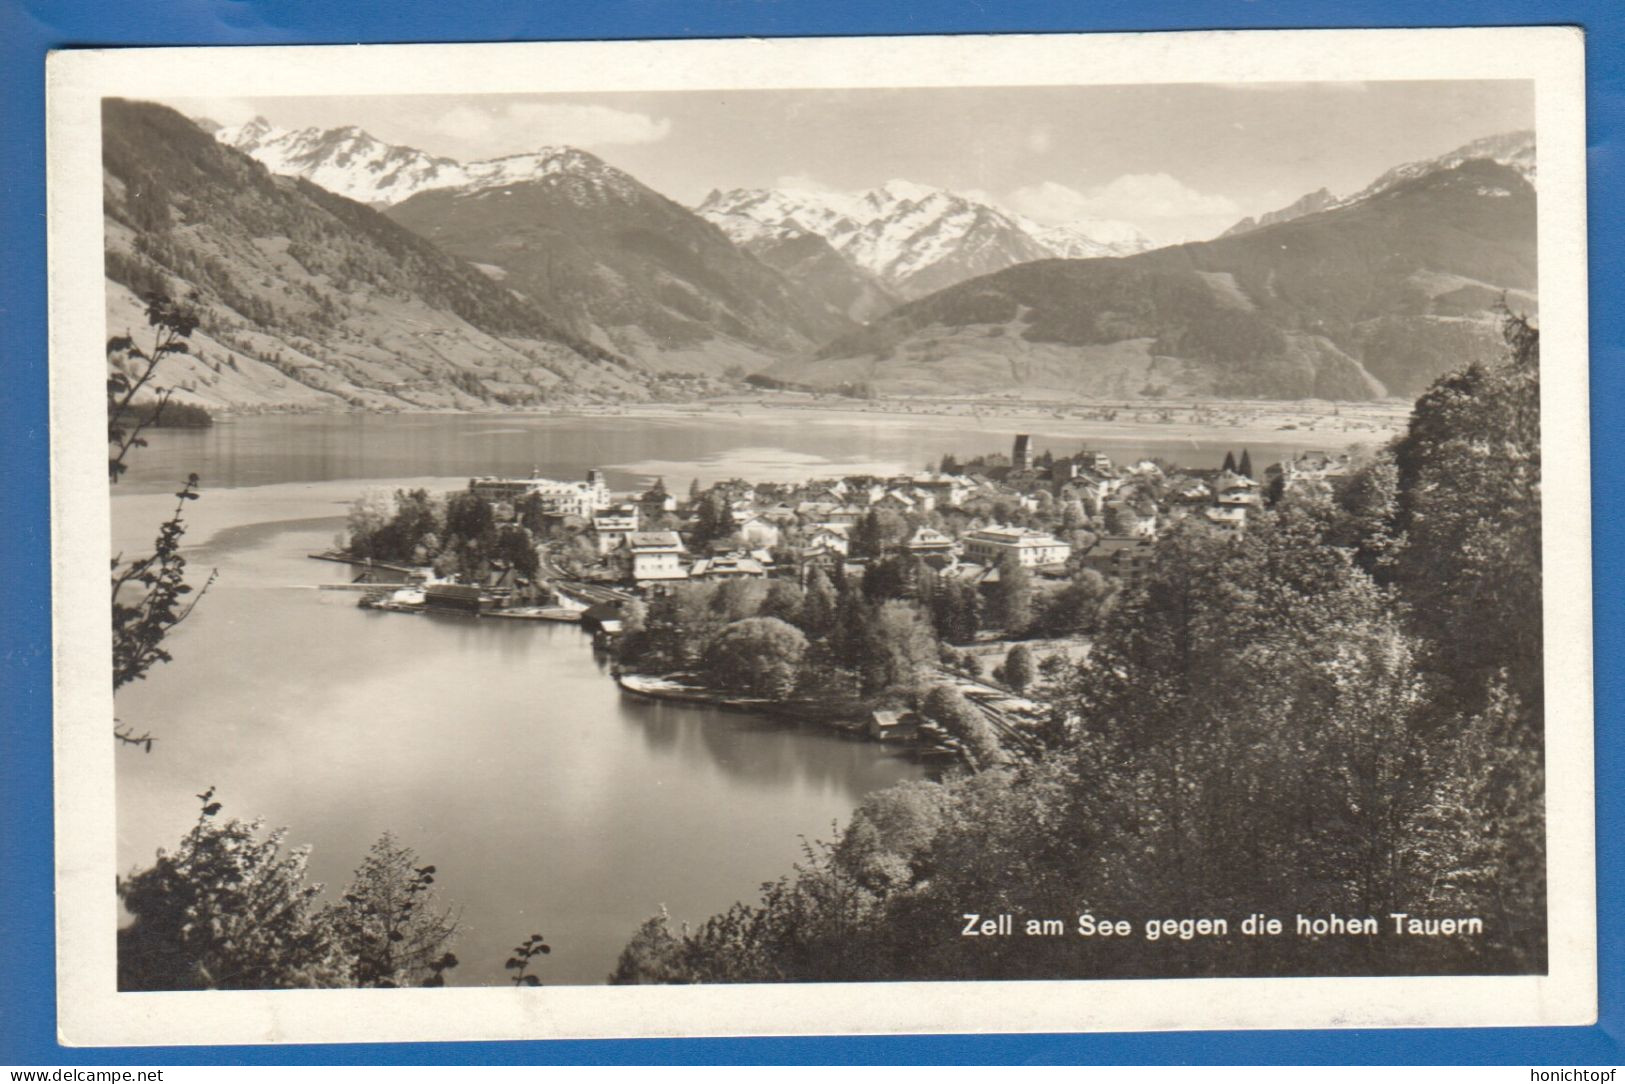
x=1240 y=421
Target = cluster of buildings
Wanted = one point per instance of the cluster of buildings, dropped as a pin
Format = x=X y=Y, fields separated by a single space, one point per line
x=1082 y=509
x=561 y=499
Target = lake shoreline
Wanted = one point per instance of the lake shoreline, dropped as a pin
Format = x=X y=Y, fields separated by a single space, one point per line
x=1260 y=419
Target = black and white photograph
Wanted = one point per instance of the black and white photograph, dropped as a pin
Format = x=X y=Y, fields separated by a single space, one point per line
x=1043 y=526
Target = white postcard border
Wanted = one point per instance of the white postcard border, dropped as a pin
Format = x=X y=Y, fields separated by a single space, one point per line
x=91 y=1012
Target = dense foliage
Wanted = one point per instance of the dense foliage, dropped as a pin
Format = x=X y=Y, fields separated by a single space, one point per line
x=231 y=909
x=1337 y=713
x=228 y=910
x=458 y=535
x=822 y=643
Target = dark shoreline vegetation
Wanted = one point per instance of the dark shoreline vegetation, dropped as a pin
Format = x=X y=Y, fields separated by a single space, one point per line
x=1338 y=711
x=167 y=414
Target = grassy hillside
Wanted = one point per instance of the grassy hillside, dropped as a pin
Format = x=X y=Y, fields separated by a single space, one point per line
x=311 y=301
x=1371 y=299
x=615 y=261
x=824 y=276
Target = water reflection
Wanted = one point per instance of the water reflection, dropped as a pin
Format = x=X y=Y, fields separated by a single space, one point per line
x=759 y=750
x=501 y=750
x=254 y=451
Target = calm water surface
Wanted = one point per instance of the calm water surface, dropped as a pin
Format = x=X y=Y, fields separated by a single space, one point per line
x=500 y=750
x=255 y=451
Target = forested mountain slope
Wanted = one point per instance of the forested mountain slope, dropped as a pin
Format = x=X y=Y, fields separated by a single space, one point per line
x=309 y=300
x=1371 y=299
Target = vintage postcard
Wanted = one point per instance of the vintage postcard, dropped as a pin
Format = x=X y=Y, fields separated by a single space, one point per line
x=965 y=534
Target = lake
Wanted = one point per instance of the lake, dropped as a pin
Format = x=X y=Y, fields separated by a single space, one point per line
x=754 y=443
x=501 y=751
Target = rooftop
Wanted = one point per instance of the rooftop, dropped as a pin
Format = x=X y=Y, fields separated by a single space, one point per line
x=655 y=540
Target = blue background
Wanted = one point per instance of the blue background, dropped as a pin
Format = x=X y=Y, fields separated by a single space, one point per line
x=30 y=27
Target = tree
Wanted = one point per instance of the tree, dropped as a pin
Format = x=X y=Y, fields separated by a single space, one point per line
x=956 y=611
x=1366 y=507
x=651 y=957
x=228 y=910
x=675 y=629
x=148 y=594
x=818 y=605
x=370 y=514
x=634 y=617
x=1229 y=462
x=715 y=519
x=1479 y=844
x=530 y=512
x=1019 y=670
x=148 y=601
x=901 y=575
x=947 y=706
x=1077 y=606
x=783 y=600
x=1012 y=596
x=1248 y=724
x=469 y=518
x=416 y=524
x=515 y=545
x=739 y=598
x=1245 y=467
x=758 y=655
x=849 y=632
x=890 y=832
x=389 y=923
x=132 y=371
x=866 y=535
x=900 y=647
x=1468 y=474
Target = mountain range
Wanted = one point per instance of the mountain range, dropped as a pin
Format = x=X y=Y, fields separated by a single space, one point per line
x=901 y=240
x=308 y=300
x=912 y=238
x=349 y=162
x=1373 y=297
x=599 y=252
x=334 y=270
x=1515 y=150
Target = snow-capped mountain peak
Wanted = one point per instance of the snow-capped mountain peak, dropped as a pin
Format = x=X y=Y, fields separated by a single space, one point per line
x=1515 y=150
x=1088 y=238
x=894 y=194
x=915 y=237
x=250 y=133
x=354 y=163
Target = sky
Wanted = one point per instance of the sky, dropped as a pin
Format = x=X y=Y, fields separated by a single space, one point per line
x=1179 y=161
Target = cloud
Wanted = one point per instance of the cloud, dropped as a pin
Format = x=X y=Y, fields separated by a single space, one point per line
x=1135 y=197
x=523 y=126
